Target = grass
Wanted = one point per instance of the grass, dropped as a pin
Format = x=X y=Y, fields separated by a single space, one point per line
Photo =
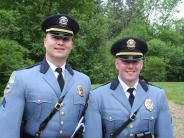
x=174 y=90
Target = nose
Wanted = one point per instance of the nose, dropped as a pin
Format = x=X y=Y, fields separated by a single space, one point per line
x=60 y=41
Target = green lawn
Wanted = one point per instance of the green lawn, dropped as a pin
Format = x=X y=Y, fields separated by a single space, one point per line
x=174 y=90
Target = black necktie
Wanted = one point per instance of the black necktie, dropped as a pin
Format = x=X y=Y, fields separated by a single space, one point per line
x=60 y=78
x=131 y=97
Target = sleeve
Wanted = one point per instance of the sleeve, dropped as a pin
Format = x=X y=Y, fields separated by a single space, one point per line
x=12 y=107
x=93 y=123
x=163 y=128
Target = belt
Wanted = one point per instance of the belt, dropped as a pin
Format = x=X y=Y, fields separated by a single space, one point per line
x=144 y=135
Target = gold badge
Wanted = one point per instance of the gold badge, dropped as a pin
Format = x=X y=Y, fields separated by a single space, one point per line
x=149 y=104
x=63 y=20
x=80 y=90
x=131 y=44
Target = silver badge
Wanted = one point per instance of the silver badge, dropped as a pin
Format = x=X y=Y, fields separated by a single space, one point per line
x=149 y=104
x=63 y=20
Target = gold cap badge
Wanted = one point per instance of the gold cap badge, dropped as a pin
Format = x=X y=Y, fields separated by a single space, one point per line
x=149 y=104
x=63 y=20
x=80 y=90
x=131 y=44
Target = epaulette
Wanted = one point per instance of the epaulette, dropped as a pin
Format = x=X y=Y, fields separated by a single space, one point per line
x=153 y=85
x=29 y=67
x=32 y=65
x=101 y=85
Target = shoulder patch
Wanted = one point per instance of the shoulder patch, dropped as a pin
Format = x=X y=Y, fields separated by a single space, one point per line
x=11 y=81
x=3 y=104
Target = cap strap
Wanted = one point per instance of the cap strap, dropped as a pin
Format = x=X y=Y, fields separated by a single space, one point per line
x=129 y=54
x=59 y=30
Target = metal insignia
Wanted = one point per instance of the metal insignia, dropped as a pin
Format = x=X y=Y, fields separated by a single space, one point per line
x=149 y=104
x=131 y=44
x=80 y=90
x=63 y=20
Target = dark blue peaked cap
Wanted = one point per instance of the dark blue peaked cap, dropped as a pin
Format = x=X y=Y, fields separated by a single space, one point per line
x=60 y=23
x=129 y=48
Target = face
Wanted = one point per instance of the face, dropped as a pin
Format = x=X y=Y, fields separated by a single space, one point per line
x=57 y=48
x=129 y=71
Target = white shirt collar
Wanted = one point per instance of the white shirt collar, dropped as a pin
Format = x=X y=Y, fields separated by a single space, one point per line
x=53 y=67
x=125 y=87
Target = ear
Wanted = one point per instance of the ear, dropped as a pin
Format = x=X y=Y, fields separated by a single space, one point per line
x=116 y=64
x=44 y=41
x=142 y=64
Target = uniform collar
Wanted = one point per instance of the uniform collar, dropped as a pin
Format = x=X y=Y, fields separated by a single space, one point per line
x=45 y=66
x=125 y=86
x=115 y=83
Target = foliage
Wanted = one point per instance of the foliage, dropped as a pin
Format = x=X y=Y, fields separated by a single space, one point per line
x=154 y=69
x=100 y=25
x=13 y=56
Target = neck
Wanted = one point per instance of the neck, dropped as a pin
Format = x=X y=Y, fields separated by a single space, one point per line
x=130 y=83
x=57 y=62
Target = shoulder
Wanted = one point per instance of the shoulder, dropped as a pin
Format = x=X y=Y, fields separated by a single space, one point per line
x=27 y=70
x=101 y=90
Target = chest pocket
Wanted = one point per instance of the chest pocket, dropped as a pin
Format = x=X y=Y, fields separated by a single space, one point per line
x=112 y=120
x=37 y=106
x=148 y=120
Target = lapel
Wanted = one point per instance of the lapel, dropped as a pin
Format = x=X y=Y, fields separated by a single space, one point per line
x=140 y=97
x=50 y=78
x=119 y=95
x=69 y=81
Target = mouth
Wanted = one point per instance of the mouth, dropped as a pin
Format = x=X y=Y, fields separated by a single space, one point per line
x=59 y=49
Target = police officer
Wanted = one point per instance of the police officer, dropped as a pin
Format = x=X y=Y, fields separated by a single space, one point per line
x=128 y=107
x=32 y=93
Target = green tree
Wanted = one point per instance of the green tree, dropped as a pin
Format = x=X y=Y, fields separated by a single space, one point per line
x=13 y=56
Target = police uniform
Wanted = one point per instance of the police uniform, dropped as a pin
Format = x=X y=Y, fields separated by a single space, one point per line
x=31 y=94
x=109 y=108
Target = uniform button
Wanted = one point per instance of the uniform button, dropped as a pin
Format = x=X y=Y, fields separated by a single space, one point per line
x=131 y=126
x=110 y=118
x=152 y=117
x=62 y=122
x=39 y=101
x=62 y=113
x=61 y=132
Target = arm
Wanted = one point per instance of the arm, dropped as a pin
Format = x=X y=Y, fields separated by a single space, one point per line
x=163 y=128
x=93 y=123
x=12 y=109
